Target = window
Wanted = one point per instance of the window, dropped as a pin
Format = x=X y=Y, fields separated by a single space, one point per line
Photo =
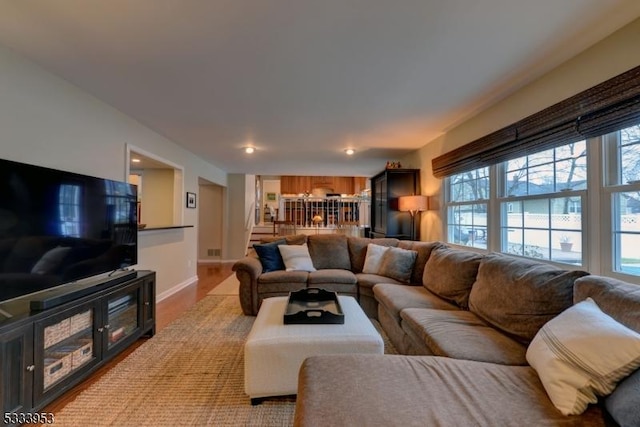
x=542 y=203
x=623 y=149
x=69 y=210
x=467 y=208
x=567 y=178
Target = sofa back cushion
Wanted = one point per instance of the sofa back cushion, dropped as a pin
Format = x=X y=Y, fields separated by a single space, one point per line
x=329 y=251
x=424 y=252
x=291 y=239
x=358 y=249
x=518 y=296
x=620 y=300
x=450 y=273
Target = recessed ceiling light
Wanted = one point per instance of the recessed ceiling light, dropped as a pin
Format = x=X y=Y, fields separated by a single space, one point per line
x=350 y=151
x=135 y=160
x=249 y=150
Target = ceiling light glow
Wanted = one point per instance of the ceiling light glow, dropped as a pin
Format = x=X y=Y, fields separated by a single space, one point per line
x=135 y=160
x=249 y=150
x=349 y=151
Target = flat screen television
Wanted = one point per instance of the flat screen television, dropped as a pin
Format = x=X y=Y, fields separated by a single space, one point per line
x=58 y=227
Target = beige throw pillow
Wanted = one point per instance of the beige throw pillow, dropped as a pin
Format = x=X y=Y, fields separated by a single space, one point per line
x=296 y=257
x=581 y=354
x=373 y=260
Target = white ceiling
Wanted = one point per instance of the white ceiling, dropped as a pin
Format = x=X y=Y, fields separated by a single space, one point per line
x=302 y=80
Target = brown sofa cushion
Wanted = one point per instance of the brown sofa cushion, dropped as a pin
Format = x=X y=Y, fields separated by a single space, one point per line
x=424 y=391
x=620 y=300
x=292 y=239
x=396 y=298
x=358 y=250
x=461 y=335
x=329 y=251
x=398 y=264
x=424 y=252
x=518 y=296
x=450 y=273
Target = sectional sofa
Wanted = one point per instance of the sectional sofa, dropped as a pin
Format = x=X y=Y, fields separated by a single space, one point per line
x=338 y=261
x=477 y=334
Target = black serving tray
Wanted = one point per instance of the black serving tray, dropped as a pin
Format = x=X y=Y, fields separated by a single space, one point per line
x=313 y=306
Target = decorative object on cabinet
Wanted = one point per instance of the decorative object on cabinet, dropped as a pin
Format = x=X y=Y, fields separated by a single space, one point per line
x=386 y=188
x=413 y=205
x=393 y=165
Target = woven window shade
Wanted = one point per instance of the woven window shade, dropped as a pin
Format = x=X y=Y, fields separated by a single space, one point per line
x=607 y=107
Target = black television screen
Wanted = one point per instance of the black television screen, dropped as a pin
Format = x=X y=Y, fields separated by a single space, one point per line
x=58 y=227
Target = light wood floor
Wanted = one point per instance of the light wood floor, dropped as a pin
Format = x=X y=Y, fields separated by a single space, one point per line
x=169 y=309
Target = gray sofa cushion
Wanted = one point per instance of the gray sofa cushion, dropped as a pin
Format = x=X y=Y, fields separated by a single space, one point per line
x=329 y=251
x=450 y=273
x=624 y=403
x=398 y=264
x=620 y=300
x=366 y=282
x=461 y=335
x=424 y=252
x=358 y=249
x=291 y=239
x=278 y=283
x=518 y=296
x=335 y=280
x=396 y=298
x=424 y=391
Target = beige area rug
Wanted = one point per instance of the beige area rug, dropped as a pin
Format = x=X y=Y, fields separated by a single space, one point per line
x=229 y=286
x=191 y=373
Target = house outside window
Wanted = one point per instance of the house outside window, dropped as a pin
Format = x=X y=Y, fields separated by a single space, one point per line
x=467 y=208
x=541 y=204
x=622 y=154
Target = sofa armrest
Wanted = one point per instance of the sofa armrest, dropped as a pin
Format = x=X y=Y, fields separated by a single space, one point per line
x=248 y=269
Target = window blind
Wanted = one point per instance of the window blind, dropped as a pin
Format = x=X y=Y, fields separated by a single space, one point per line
x=607 y=107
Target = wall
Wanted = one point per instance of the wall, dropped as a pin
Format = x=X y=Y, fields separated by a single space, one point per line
x=210 y=201
x=156 y=202
x=608 y=58
x=49 y=122
x=241 y=211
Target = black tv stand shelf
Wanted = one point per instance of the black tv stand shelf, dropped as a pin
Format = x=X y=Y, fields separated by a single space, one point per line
x=43 y=353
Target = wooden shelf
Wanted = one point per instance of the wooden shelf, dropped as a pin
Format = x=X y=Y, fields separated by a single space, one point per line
x=166 y=227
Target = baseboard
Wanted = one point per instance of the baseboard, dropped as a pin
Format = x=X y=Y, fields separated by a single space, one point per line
x=177 y=288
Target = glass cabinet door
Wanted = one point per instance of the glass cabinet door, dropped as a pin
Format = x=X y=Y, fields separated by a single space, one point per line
x=68 y=345
x=123 y=318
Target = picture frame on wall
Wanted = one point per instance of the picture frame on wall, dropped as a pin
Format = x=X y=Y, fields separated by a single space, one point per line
x=271 y=197
x=191 y=200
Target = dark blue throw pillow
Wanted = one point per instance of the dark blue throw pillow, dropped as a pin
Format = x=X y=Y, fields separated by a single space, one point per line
x=624 y=403
x=269 y=255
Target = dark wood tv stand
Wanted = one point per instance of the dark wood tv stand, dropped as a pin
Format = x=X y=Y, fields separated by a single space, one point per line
x=45 y=353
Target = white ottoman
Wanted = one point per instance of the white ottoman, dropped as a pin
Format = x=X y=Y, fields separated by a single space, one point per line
x=274 y=351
